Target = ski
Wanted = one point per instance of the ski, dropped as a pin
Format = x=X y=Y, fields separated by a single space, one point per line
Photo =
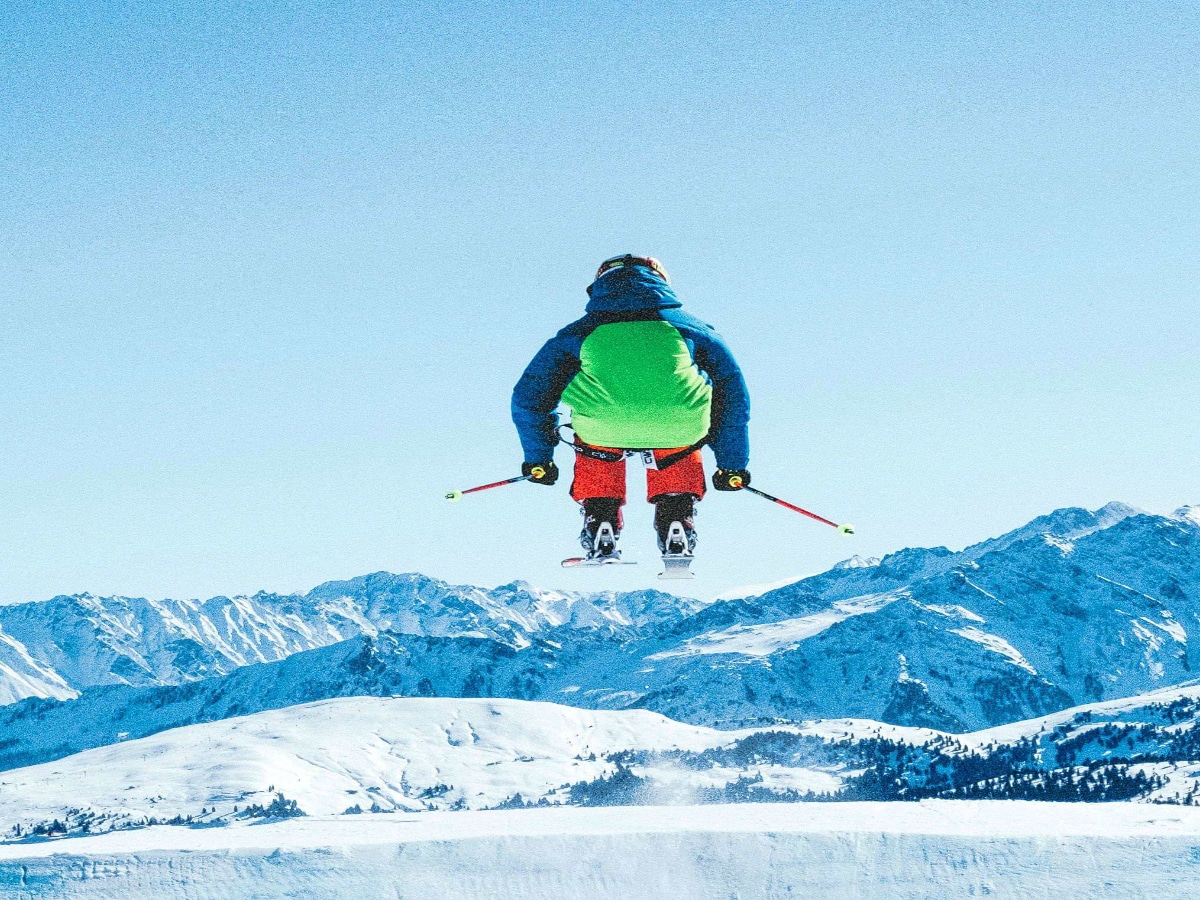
x=581 y=561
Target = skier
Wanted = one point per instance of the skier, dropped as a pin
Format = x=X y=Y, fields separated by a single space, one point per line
x=644 y=378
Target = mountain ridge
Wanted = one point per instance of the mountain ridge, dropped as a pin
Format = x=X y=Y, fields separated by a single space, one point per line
x=1077 y=606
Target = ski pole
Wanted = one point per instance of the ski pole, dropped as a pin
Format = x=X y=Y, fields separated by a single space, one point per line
x=844 y=529
x=537 y=472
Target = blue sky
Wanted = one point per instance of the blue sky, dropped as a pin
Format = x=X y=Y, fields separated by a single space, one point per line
x=269 y=271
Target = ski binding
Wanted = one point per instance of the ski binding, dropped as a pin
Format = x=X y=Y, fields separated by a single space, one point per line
x=677 y=565
x=604 y=551
x=677 y=556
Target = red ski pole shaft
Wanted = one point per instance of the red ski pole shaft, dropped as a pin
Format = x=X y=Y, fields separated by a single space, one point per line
x=458 y=495
x=844 y=529
x=496 y=484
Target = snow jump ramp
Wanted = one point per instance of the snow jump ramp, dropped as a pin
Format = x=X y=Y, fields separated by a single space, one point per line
x=940 y=849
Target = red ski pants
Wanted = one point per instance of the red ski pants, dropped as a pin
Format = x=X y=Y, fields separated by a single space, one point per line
x=601 y=478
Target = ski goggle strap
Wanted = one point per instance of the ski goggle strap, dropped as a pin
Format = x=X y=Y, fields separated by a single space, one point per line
x=621 y=262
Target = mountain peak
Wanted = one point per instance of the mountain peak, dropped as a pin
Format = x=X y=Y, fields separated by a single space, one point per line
x=1190 y=513
x=1068 y=523
x=375 y=581
x=857 y=562
x=1114 y=511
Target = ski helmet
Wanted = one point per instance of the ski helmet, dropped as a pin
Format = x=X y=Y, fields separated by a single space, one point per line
x=621 y=262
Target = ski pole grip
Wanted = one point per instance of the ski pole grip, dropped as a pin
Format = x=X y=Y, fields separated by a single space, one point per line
x=735 y=481
x=538 y=473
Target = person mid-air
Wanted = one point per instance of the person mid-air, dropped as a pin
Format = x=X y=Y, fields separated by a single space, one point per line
x=641 y=377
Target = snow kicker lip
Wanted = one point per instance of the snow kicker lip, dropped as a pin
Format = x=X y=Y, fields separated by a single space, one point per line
x=655 y=853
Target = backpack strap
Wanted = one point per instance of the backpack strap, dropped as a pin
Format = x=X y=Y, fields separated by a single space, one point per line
x=679 y=455
x=586 y=450
x=616 y=455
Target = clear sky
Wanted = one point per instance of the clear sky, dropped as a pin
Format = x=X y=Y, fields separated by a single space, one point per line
x=268 y=272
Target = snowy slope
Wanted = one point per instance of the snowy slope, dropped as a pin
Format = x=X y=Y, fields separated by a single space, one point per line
x=1141 y=708
x=768 y=638
x=393 y=754
x=751 y=852
x=22 y=676
x=412 y=754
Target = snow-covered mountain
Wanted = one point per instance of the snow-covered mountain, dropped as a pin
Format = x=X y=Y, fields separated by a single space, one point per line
x=1075 y=607
x=59 y=647
x=367 y=754
x=356 y=755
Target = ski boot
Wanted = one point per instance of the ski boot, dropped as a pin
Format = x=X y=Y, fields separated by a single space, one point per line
x=673 y=515
x=601 y=528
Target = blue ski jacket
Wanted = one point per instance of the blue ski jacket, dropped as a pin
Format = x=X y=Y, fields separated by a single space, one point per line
x=637 y=372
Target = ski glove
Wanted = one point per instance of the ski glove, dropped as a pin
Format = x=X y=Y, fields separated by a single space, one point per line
x=723 y=479
x=549 y=472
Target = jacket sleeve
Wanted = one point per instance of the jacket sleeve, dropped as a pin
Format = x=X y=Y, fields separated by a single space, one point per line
x=729 y=434
x=537 y=393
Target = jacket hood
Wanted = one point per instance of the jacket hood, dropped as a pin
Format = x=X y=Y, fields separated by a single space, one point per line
x=629 y=289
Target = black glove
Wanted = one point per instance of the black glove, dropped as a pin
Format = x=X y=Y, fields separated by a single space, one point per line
x=730 y=479
x=549 y=472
